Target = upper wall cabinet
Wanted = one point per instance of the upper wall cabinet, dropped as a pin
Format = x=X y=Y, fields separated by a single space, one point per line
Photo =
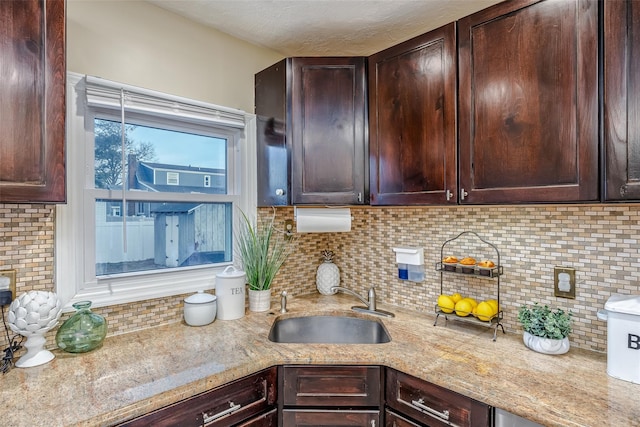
x=412 y=126
x=32 y=107
x=312 y=140
x=621 y=100
x=528 y=102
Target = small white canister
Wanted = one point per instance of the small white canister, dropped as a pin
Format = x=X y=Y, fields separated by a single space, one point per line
x=230 y=290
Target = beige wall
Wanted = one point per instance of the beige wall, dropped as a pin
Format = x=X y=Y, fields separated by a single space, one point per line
x=138 y=43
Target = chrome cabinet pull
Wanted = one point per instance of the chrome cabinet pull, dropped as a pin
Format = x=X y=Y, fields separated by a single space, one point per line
x=420 y=404
x=449 y=195
x=463 y=194
x=209 y=418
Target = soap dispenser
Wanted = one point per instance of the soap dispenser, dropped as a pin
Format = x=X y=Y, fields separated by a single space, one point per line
x=410 y=262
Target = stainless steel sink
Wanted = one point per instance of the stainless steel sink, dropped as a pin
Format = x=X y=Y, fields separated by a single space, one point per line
x=328 y=330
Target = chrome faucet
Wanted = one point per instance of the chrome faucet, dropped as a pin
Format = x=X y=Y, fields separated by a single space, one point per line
x=370 y=303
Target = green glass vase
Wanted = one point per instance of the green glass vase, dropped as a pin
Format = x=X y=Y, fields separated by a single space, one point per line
x=83 y=331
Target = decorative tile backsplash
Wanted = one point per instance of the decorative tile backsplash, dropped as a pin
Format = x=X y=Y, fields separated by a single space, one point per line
x=600 y=241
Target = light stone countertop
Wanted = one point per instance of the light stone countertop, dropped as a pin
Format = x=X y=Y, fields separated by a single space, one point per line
x=138 y=372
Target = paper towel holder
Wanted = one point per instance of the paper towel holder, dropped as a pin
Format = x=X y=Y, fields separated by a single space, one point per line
x=322 y=220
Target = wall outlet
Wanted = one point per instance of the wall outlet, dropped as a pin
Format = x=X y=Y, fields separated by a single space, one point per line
x=564 y=282
x=8 y=282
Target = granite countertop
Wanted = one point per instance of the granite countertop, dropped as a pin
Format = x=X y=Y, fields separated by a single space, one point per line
x=135 y=373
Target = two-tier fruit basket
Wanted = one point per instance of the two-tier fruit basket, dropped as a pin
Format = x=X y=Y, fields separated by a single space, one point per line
x=470 y=241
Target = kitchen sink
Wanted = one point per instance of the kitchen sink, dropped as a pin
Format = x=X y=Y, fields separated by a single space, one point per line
x=322 y=329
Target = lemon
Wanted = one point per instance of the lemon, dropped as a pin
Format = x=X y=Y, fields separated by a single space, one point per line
x=446 y=304
x=493 y=303
x=485 y=311
x=463 y=308
x=471 y=301
x=456 y=297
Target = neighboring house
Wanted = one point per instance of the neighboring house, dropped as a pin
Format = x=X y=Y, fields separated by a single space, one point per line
x=172 y=178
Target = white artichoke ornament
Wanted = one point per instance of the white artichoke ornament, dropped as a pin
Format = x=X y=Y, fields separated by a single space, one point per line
x=32 y=314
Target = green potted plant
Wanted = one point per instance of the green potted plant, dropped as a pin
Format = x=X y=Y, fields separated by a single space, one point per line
x=262 y=252
x=545 y=330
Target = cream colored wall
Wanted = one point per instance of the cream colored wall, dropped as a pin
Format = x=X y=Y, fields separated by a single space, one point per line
x=138 y=43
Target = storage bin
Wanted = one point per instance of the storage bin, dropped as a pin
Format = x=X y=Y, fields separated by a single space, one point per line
x=622 y=313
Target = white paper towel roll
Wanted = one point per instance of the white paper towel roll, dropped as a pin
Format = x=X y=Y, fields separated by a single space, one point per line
x=323 y=220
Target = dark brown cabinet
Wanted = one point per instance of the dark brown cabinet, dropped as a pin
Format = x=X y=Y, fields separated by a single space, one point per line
x=414 y=402
x=32 y=111
x=621 y=101
x=331 y=395
x=412 y=123
x=250 y=401
x=312 y=132
x=528 y=102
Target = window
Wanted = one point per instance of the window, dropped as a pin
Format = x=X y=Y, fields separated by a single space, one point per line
x=173 y=178
x=151 y=202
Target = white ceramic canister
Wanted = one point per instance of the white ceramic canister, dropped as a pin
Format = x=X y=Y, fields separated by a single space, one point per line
x=230 y=290
x=200 y=309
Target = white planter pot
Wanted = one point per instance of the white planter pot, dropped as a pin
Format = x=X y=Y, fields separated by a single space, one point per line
x=259 y=300
x=545 y=345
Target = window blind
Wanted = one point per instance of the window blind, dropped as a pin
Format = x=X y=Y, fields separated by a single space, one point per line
x=108 y=94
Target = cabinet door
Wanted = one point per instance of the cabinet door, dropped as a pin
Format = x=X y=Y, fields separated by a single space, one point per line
x=391 y=419
x=328 y=418
x=226 y=405
x=332 y=386
x=528 y=122
x=621 y=100
x=412 y=122
x=270 y=419
x=32 y=111
x=433 y=405
x=273 y=165
x=328 y=120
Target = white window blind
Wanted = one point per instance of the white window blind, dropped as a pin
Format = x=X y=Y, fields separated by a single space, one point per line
x=106 y=94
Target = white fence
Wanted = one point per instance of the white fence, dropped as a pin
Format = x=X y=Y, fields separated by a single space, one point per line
x=139 y=241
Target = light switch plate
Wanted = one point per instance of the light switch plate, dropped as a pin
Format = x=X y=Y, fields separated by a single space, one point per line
x=564 y=282
x=11 y=275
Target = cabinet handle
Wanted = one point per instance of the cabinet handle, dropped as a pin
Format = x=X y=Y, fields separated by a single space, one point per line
x=279 y=192
x=444 y=415
x=359 y=197
x=463 y=194
x=449 y=195
x=209 y=418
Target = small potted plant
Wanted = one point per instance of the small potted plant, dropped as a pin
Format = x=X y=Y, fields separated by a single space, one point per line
x=545 y=330
x=261 y=254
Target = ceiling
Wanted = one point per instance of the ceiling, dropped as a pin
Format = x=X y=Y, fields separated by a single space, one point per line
x=324 y=27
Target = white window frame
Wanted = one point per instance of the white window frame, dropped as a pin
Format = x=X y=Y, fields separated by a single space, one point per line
x=75 y=221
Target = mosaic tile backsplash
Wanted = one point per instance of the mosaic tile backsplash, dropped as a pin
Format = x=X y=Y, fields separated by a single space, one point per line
x=600 y=241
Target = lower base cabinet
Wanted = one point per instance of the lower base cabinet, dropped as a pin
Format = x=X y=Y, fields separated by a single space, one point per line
x=249 y=401
x=328 y=418
x=331 y=395
x=431 y=405
x=392 y=419
x=323 y=396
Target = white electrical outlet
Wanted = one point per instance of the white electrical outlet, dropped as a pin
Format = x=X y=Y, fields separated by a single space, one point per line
x=564 y=282
x=8 y=282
